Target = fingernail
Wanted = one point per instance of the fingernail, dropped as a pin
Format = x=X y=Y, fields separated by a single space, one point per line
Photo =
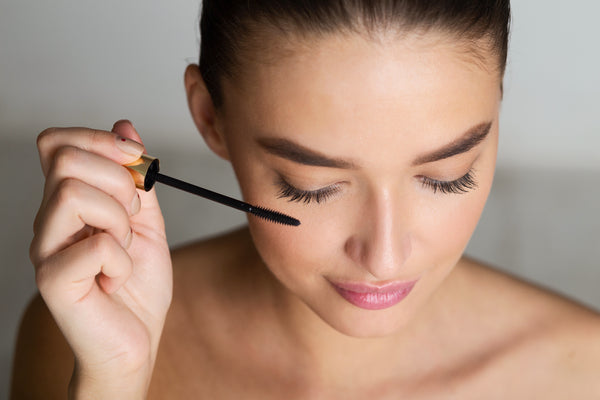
x=128 y=239
x=124 y=120
x=136 y=204
x=129 y=146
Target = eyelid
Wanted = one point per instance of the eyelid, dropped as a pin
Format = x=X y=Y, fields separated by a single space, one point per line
x=292 y=193
x=460 y=185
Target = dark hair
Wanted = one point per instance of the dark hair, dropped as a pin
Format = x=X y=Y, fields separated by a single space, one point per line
x=232 y=29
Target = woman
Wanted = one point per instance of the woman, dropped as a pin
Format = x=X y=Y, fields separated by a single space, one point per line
x=373 y=123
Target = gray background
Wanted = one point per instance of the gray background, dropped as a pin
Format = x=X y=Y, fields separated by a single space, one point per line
x=89 y=63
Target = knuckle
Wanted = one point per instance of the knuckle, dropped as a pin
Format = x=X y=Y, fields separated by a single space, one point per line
x=64 y=159
x=67 y=192
x=34 y=250
x=45 y=137
x=43 y=276
x=101 y=245
x=96 y=138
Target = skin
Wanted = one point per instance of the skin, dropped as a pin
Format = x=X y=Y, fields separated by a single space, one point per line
x=252 y=313
x=382 y=225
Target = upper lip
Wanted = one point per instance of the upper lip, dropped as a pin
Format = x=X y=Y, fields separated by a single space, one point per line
x=387 y=287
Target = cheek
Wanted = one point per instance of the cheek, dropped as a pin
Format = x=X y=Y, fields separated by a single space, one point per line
x=298 y=256
x=452 y=231
x=446 y=232
x=295 y=255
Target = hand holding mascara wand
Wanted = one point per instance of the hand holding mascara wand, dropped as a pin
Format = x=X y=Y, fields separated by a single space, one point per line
x=145 y=172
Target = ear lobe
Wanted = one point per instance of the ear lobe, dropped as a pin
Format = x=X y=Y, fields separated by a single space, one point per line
x=203 y=111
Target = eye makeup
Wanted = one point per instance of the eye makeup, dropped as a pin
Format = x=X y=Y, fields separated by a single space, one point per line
x=305 y=196
x=461 y=185
x=458 y=186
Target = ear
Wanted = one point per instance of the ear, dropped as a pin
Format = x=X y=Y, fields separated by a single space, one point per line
x=203 y=111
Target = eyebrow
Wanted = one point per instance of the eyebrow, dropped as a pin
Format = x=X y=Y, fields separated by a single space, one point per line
x=295 y=152
x=464 y=143
x=289 y=150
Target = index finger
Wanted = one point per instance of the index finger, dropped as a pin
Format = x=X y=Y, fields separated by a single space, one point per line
x=107 y=144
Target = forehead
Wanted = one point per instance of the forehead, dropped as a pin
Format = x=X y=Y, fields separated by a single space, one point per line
x=342 y=91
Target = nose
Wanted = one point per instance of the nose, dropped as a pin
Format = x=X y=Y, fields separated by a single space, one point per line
x=381 y=241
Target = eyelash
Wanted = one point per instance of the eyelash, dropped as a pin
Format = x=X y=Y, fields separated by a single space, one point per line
x=458 y=186
x=305 y=196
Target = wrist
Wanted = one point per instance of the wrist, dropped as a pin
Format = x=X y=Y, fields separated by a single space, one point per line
x=85 y=385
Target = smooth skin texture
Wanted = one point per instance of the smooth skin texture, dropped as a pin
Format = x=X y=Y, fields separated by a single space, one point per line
x=381 y=225
x=253 y=314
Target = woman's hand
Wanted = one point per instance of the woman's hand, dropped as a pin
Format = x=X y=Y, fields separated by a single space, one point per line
x=101 y=258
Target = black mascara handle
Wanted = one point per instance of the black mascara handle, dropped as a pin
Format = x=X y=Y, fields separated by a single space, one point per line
x=145 y=173
x=207 y=194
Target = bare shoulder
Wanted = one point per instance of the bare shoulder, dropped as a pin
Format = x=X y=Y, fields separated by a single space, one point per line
x=209 y=262
x=203 y=272
x=43 y=361
x=514 y=288
x=554 y=340
x=218 y=249
x=208 y=285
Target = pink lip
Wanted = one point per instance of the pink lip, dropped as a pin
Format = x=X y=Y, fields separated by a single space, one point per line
x=374 y=297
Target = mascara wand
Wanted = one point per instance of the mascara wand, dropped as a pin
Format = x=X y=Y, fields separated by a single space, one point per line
x=145 y=174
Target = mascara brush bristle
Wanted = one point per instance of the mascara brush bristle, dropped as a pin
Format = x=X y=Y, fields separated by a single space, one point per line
x=273 y=216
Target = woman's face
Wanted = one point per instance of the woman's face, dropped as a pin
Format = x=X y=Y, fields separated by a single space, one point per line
x=385 y=151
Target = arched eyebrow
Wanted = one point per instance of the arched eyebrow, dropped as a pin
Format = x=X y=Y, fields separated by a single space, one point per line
x=297 y=153
x=464 y=143
x=292 y=151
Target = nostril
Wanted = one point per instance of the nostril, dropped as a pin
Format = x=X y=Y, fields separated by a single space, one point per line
x=356 y=250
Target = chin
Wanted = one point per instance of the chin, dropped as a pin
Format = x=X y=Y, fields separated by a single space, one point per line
x=355 y=322
x=370 y=332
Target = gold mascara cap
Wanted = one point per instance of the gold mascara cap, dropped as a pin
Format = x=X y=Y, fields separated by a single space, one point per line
x=144 y=171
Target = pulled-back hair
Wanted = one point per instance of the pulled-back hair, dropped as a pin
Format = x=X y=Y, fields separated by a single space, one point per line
x=230 y=29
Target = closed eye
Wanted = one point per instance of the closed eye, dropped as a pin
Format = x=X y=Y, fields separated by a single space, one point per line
x=305 y=196
x=461 y=185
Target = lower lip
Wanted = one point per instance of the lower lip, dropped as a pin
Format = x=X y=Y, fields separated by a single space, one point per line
x=370 y=298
